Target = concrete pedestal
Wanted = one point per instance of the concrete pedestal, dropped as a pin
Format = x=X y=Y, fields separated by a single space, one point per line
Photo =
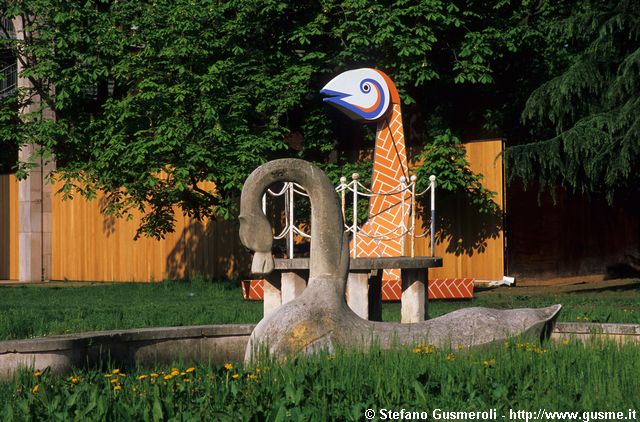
x=358 y=292
x=364 y=284
x=414 y=298
x=292 y=284
x=272 y=294
x=364 y=294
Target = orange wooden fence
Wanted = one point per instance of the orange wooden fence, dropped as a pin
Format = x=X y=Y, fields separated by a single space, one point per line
x=471 y=244
x=90 y=246
x=8 y=227
x=87 y=245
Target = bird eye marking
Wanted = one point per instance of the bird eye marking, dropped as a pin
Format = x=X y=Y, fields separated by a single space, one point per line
x=368 y=100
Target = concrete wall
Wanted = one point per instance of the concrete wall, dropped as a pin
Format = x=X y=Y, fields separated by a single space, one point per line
x=127 y=348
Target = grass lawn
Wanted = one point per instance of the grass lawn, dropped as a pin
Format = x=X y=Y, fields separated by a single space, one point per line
x=513 y=376
x=510 y=377
x=58 y=308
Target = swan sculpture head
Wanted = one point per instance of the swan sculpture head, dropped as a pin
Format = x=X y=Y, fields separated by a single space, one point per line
x=363 y=94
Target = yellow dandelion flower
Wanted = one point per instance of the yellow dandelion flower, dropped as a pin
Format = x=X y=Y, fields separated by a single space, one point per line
x=417 y=350
x=451 y=357
x=489 y=363
x=183 y=373
x=153 y=375
x=74 y=380
x=168 y=377
x=174 y=373
x=175 y=370
x=117 y=388
x=122 y=375
x=37 y=374
x=235 y=376
x=108 y=375
x=565 y=341
x=228 y=366
x=115 y=371
x=258 y=370
x=113 y=381
x=190 y=370
x=35 y=389
x=187 y=380
x=141 y=377
x=252 y=376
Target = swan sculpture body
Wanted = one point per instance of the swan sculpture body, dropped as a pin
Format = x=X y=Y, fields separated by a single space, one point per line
x=320 y=317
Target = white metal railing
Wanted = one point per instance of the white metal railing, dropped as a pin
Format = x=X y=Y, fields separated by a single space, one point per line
x=406 y=191
x=8 y=80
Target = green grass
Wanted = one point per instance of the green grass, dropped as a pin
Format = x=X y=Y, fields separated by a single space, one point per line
x=40 y=310
x=572 y=377
x=622 y=306
x=342 y=386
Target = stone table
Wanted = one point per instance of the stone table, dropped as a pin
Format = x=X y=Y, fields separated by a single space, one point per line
x=364 y=285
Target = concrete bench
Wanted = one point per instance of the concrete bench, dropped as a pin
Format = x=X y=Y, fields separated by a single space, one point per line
x=364 y=285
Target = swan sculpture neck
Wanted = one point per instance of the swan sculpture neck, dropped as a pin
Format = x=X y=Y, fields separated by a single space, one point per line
x=329 y=258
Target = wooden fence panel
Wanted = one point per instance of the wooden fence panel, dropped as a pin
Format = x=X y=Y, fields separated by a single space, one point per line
x=471 y=245
x=92 y=247
x=8 y=227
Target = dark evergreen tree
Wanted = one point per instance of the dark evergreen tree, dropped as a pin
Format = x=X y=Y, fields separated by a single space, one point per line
x=586 y=118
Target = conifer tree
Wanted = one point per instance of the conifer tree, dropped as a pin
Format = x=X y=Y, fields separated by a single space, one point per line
x=587 y=116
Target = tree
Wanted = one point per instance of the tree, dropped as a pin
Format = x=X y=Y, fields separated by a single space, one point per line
x=153 y=98
x=585 y=119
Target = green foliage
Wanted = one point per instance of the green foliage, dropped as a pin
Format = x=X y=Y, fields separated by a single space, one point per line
x=591 y=103
x=341 y=386
x=152 y=98
x=445 y=157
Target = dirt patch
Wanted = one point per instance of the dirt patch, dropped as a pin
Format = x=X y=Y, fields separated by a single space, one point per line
x=587 y=284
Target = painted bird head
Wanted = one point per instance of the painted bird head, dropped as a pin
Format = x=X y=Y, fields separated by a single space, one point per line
x=363 y=94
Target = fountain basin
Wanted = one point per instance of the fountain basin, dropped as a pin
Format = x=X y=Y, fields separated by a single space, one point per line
x=148 y=347
x=143 y=347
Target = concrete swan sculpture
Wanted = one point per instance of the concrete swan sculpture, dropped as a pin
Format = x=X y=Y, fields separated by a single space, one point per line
x=320 y=318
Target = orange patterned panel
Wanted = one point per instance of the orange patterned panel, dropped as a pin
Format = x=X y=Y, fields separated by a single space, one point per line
x=440 y=288
x=451 y=288
x=386 y=213
x=391 y=290
x=253 y=289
